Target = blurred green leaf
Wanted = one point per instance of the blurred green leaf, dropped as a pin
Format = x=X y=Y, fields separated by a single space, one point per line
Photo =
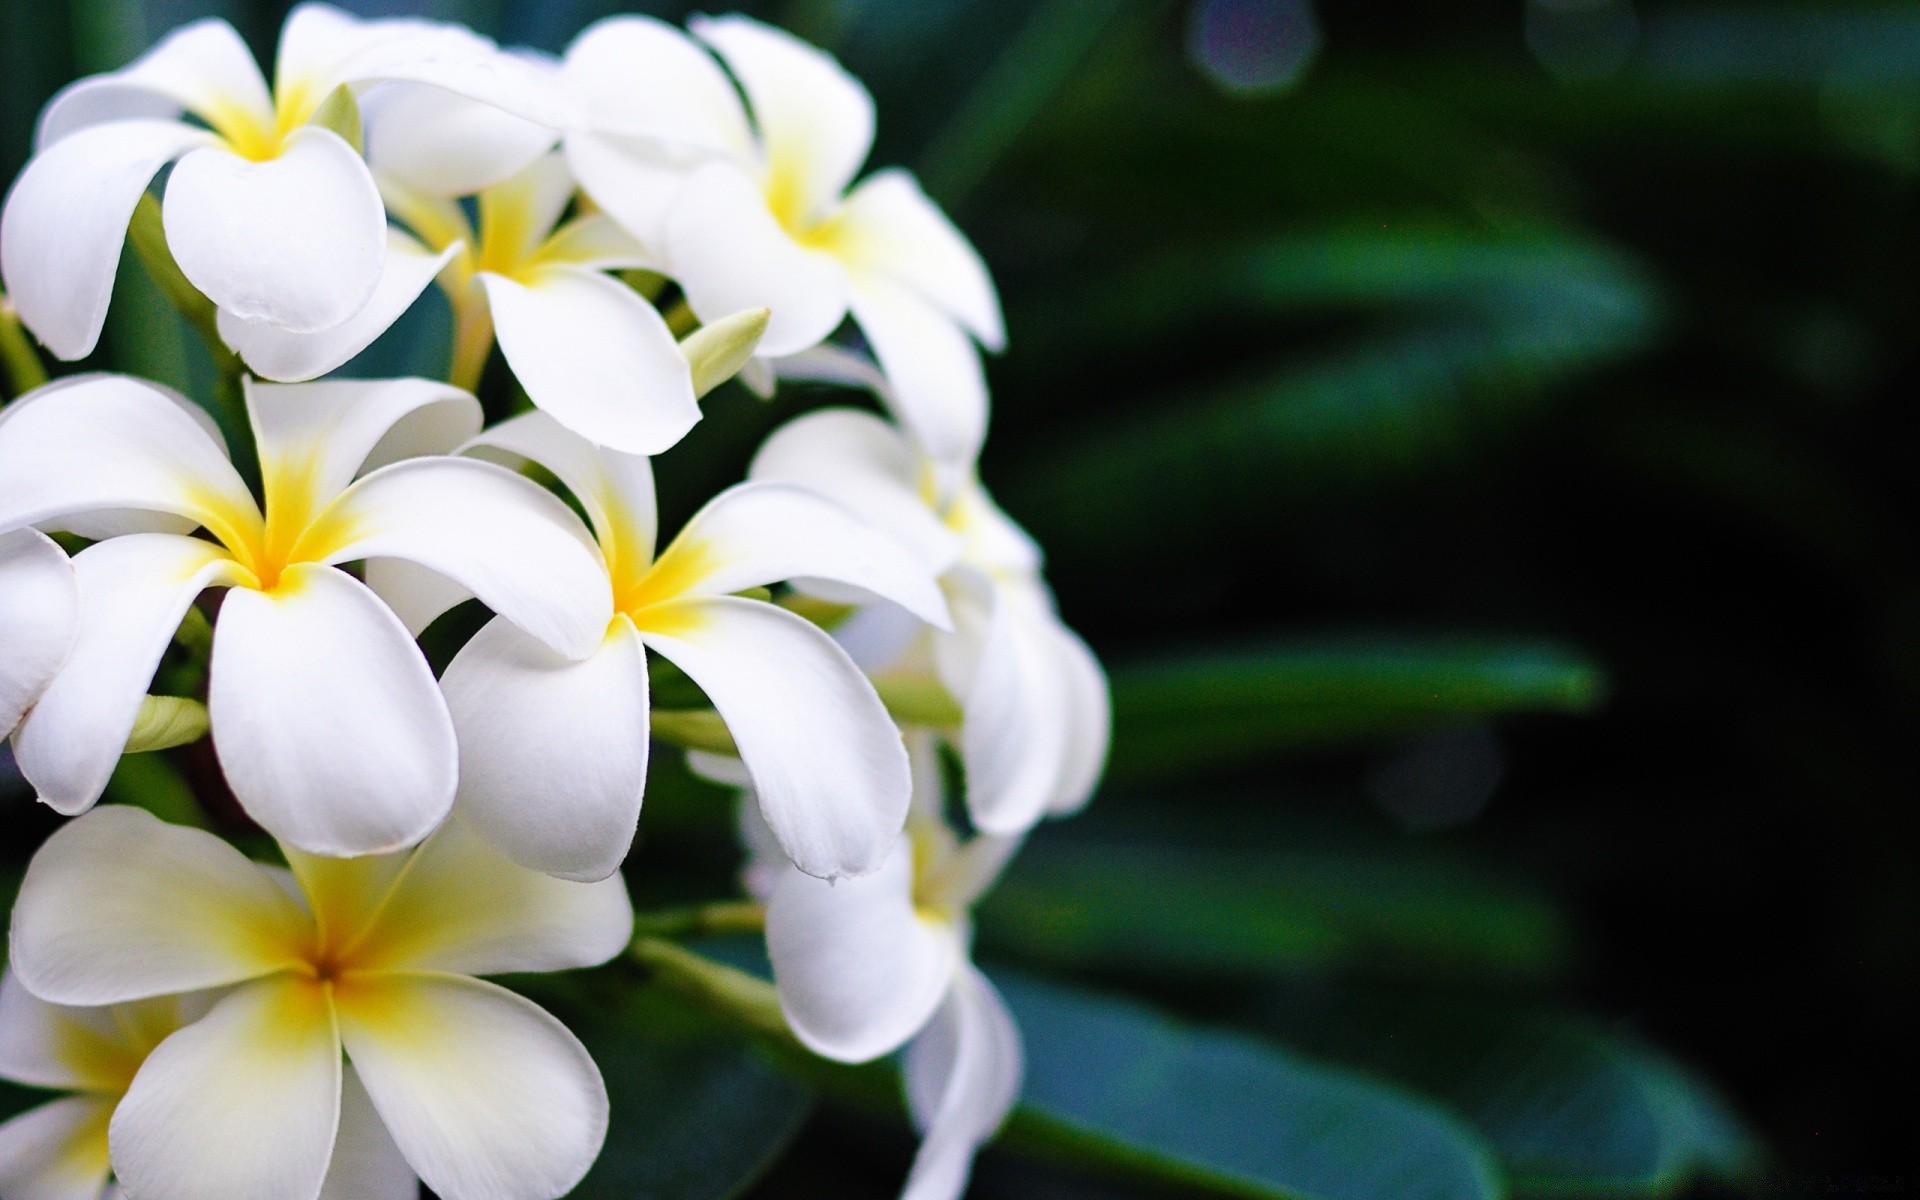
x=152 y=782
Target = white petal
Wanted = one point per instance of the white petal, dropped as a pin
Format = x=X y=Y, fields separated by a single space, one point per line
x=635 y=181
x=486 y=1094
x=759 y=533
x=59 y=1046
x=815 y=120
x=505 y=539
x=729 y=254
x=598 y=243
x=889 y=227
x=596 y=356
x=766 y=862
x=553 y=754
x=1015 y=738
x=313 y=438
x=243 y=1103
x=133 y=593
x=326 y=717
x=518 y=213
x=520 y=85
x=417 y=596
x=57 y=1151
x=66 y=219
x=274 y=352
x=366 y=1164
x=859 y=971
x=203 y=67
x=642 y=78
x=445 y=144
x=118 y=905
x=962 y=1077
x=297 y=239
x=462 y=907
x=1090 y=723
x=39 y=615
x=826 y=760
x=615 y=489
x=936 y=387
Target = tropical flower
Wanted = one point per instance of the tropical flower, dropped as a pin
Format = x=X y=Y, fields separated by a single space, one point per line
x=269 y=210
x=1033 y=703
x=306 y=660
x=485 y=1094
x=39 y=610
x=553 y=754
x=755 y=212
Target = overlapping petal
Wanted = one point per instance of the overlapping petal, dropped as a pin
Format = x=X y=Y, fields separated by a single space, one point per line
x=936 y=386
x=614 y=489
x=889 y=227
x=640 y=77
x=58 y=1046
x=962 y=1076
x=39 y=616
x=366 y=1164
x=202 y=67
x=445 y=144
x=57 y=1151
x=323 y=434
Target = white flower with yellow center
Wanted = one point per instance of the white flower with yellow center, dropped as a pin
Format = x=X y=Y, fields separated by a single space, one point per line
x=327 y=719
x=486 y=1096
x=1033 y=700
x=553 y=754
x=39 y=611
x=755 y=212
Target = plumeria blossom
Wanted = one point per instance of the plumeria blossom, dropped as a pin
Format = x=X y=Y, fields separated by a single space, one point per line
x=306 y=659
x=485 y=1095
x=39 y=612
x=864 y=965
x=269 y=210
x=1036 y=714
x=554 y=753
x=753 y=210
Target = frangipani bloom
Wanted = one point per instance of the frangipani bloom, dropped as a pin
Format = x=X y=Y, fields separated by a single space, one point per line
x=865 y=964
x=752 y=212
x=1036 y=711
x=268 y=211
x=328 y=722
x=39 y=611
x=486 y=1096
x=553 y=754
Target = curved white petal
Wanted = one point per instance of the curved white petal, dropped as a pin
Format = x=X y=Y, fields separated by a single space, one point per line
x=936 y=386
x=754 y=534
x=133 y=593
x=366 y=1164
x=994 y=543
x=202 y=67
x=815 y=120
x=598 y=243
x=66 y=219
x=859 y=971
x=962 y=1078
x=502 y=537
x=463 y=907
x=418 y=596
x=826 y=760
x=553 y=754
x=242 y=1103
x=889 y=227
x=57 y=1151
x=518 y=213
x=39 y=615
x=326 y=717
x=766 y=862
x=277 y=353
x=729 y=254
x=118 y=905
x=313 y=438
x=615 y=489
x=1089 y=723
x=596 y=356
x=444 y=144
x=519 y=85
x=636 y=182
x=1015 y=738
x=486 y=1094
x=297 y=239
x=640 y=77
x=59 y=1046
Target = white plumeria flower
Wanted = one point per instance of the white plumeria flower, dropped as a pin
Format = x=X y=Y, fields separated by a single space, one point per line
x=486 y=1096
x=752 y=212
x=39 y=612
x=864 y=965
x=272 y=215
x=553 y=754
x=327 y=719
x=1034 y=699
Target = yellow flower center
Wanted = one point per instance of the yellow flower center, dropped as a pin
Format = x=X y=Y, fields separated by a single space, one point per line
x=257 y=140
x=297 y=527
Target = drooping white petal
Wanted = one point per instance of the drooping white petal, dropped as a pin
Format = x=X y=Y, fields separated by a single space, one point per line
x=297 y=239
x=502 y=537
x=416 y=595
x=729 y=254
x=133 y=593
x=815 y=120
x=57 y=1151
x=39 y=615
x=936 y=386
x=994 y=543
x=326 y=717
x=444 y=144
x=274 y=352
x=1089 y=723
x=313 y=438
x=202 y=67
x=635 y=181
x=766 y=862
x=243 y=1103
x=826 y=760
x=640 y=77
x=859 y=971
x=615 y=490
x=962 y=1076
x=523 y=85
x=553 y=754
x=889 y=227
x=66 y=219
x=486 y=1094
x=366 y=1164
x=118 y=905
x=596 y=356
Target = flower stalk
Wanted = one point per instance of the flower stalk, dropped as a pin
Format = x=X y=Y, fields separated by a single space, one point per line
x=25 y=371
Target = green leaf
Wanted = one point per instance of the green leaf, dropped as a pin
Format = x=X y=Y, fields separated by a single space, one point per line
x=1115 y=1085
x=1237 y=703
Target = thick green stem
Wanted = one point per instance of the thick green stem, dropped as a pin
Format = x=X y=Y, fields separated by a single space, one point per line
x=148 y=236
x=701 y=920
x=25 y=371
x=741 y=998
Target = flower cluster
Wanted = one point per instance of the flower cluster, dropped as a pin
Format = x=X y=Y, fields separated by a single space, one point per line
x=630 y=224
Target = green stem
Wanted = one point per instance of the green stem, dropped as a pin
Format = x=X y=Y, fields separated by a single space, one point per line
x=25 y=371
x=743 y=999
x=148 y=236
x=701 y=920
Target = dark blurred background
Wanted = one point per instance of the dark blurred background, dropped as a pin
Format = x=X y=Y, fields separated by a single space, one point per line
x=1564 y=348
